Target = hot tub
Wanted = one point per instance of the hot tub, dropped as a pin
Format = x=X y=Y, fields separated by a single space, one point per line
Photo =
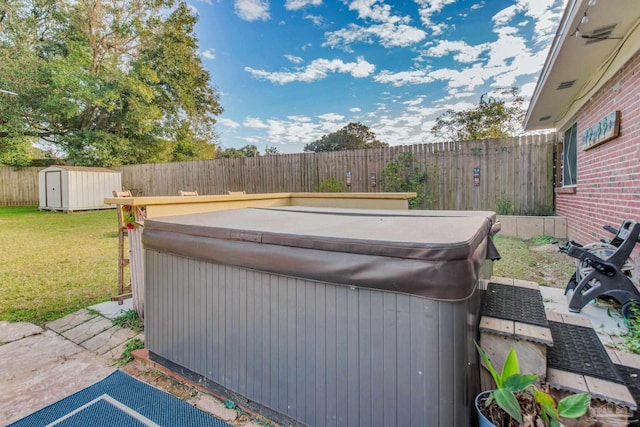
x=326 y=316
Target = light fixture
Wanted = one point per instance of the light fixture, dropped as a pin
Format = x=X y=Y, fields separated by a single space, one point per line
x=592 y=3
x=577 y=33
x=585 y=19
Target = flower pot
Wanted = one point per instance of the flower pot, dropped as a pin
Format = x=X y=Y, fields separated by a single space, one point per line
x=482 y=420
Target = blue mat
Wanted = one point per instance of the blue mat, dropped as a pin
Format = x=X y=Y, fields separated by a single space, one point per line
x=120 y=401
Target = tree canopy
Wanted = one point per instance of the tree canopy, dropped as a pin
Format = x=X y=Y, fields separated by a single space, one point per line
x=246 y=151
x=108 y=81
x=497 y=116
x=351 y=137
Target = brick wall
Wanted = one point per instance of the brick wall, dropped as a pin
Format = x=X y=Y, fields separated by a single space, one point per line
x=608 y=176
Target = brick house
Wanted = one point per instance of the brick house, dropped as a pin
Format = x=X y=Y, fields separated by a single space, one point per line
x=589 y=90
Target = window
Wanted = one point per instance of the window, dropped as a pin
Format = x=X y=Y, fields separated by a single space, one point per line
x=570 y=156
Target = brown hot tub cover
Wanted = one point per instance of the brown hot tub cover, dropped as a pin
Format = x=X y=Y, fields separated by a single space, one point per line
x=434 y=254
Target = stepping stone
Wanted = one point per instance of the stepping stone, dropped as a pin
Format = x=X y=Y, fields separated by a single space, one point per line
x=88 y=329
x=116 y=352
x=70 y=321
x=13 y=331
x=110 y=338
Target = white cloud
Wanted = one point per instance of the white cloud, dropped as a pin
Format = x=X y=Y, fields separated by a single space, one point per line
x=300 y=119
x=252 y=10
x=316 y=19
x=391 y=30
x=403 y=78
x=428 y=8
x=208 y=53
x=389 y=35
x=477 y=5
x=416 y=101
x=500 y=63
x=229 y=123
x=371 y=9
x=331 y=117
x=505 y=15
x=254 y=122
x=465 y=53
x=299 y=4
x=543 y=12
x=355 y=110
x=318 y=69
x=294 y=59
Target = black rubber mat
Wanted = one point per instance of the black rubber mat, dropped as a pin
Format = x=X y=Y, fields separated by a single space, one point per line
x=514 y=303
x=577 y=349
x=631 y=378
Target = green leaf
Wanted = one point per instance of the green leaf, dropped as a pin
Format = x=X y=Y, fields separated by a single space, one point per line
x=547 y=403
x=487 y=362
x=511 y=365
x=554 y=423
x=508 y=402
x=574 y=406
x=519 y=382
x=489 y=400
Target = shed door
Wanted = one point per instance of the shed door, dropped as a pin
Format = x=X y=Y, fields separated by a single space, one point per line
x=53 y=182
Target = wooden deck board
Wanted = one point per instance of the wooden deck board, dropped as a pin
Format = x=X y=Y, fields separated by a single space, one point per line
x=533 y=333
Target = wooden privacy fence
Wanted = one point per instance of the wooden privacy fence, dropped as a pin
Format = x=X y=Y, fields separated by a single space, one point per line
x=496 y=174
x=18 y=187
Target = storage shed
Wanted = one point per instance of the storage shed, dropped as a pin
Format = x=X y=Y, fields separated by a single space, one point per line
x=327 y=316
x=76 y=188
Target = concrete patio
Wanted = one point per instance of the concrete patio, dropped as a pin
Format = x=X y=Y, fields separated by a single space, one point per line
x=41 y=366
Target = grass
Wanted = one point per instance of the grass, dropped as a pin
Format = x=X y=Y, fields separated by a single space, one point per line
x=535 y=260
x=130 y=346
x=129 y=319
x=52 y=264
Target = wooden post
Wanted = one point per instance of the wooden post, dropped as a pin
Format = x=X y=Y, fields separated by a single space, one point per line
x=124 y=292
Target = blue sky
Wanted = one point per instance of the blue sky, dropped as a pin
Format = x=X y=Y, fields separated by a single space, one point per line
x=290 y=71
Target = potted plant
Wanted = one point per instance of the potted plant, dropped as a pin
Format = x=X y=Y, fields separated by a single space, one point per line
x=518 y=401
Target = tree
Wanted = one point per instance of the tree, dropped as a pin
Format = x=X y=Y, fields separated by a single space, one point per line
x=406 y=175
x=351 y=137
x=246 y=151
x=491 y=118
x=250 y=151
x=108 y=81
x=271 y=151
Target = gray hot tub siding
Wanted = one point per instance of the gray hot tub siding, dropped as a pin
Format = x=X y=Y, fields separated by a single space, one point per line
x=321 y=353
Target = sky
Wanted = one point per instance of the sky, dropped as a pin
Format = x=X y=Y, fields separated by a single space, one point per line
x=290 y=71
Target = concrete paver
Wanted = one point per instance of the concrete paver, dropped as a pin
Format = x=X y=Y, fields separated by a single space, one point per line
x=14 y=331
x=115 y=353
x=71 y=321
x=87 y=330
x=39 y=370
x=214 y=406
x=604 y=322
x=108 y=339
x=111 y=309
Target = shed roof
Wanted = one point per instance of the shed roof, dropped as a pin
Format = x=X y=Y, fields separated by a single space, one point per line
x=81 y=169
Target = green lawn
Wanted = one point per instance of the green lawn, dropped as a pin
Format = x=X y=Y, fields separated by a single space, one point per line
x=52 y=264
x=536 y=260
